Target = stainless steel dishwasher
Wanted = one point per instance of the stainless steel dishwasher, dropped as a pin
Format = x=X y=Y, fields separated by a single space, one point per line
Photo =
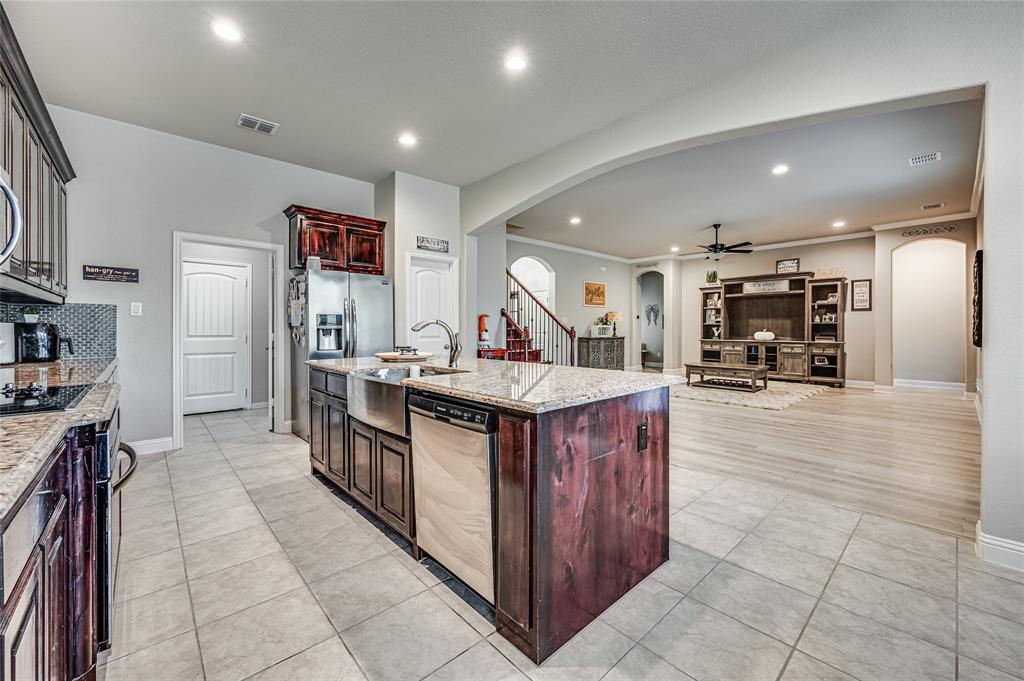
x=453 y=461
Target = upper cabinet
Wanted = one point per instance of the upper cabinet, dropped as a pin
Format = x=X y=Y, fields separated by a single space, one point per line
x=37 y=168
x=342 y=242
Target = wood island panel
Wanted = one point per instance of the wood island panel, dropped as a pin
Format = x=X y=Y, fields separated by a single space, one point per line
x=600 y=514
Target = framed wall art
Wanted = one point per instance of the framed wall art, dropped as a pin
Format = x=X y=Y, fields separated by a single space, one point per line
x=860 y=295
x=787 y=266
x=594 y=294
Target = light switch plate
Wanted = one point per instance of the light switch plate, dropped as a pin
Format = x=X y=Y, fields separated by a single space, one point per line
x=136 y=310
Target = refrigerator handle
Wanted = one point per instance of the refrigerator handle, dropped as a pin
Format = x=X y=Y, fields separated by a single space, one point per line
x=344 y=328
x=353 y=329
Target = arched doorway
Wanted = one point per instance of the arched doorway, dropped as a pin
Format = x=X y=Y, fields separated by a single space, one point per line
x=652 y=320
x=929 y=314
x=538 y=277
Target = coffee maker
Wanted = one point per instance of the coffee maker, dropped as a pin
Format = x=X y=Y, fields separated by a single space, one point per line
x=37 y=342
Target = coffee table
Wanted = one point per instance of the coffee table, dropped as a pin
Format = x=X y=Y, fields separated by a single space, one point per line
x=730 y=376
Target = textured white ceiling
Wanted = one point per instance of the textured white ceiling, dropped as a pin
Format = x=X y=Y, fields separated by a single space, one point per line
x=854 y=170
x=343 y=78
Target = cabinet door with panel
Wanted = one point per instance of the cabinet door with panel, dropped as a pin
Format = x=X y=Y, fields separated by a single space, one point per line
x=394 y=482
x=57 y=601
x=364 y=250
x=19 y=182
x=317 y=422
x=362 y=447
x=45 y=250
x=24 y=639
x=33 y=227
x=337 y=442
x=325 y=241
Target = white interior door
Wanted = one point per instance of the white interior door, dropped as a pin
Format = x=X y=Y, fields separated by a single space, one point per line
x=215 y=336
x=430 y=297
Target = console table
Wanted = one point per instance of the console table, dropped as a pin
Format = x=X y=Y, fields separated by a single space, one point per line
x=602 y=352
x=731 y=376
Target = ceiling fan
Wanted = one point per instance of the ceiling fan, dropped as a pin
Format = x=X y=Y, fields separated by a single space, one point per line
x=718 y=249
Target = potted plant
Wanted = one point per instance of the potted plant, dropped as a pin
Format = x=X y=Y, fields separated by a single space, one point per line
x=30 y=314
x=711 y=277
x=601 y=327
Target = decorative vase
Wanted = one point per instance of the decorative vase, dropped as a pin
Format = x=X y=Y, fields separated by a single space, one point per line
x=600 y=330
x=765 y=335
x=31 y=318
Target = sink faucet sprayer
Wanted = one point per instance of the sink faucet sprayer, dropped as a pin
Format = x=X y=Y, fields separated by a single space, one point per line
x=454 y=348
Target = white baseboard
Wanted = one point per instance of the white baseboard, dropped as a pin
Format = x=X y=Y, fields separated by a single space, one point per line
x=886 y=389
x=158 y=444
x=929 y=385
x=867 y=385
x=1005 y=552
x=290 y=425
x=977 y=406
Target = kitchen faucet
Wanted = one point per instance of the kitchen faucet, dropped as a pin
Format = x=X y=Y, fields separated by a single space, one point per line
x=454 y=348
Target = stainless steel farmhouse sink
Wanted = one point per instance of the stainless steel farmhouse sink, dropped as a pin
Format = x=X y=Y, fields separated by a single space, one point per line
x=376 y=397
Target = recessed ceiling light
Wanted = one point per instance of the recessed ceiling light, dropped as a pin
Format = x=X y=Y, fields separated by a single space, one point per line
x=407 y=139
x=780 y=169
x=515 y=61
x=839 y=223
x=225 y=29
x=575 y=220
x=674 y=249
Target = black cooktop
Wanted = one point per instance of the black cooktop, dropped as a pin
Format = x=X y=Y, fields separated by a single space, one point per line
x=36 y=398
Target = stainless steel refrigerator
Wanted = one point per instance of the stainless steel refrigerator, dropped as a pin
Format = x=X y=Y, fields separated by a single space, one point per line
x=335 y=315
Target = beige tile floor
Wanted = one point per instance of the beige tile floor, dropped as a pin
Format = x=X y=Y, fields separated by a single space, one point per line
x=238 y=564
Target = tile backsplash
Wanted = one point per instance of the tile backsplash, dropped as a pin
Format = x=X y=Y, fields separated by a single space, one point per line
x=92 y=328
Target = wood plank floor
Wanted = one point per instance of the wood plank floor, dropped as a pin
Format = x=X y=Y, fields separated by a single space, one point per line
x=913 y=455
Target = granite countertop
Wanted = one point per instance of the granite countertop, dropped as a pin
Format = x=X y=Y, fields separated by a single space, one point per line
x=26 y=442
x=61 y=372
x=522 y=386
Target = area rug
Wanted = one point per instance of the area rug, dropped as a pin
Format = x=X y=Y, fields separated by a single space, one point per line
x=776 y=397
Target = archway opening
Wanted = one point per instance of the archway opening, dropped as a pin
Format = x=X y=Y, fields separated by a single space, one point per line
x=929 y=314
x=652 y=320
x=538 y=277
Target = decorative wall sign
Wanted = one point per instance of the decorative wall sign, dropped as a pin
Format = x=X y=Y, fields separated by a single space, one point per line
x=976 y=327
x=787 y=266
x=860 y=295
x=122 y=275
x=766 y=286
x=429 y=243
x=594 y=294
x=652 y=312
x=930 y=229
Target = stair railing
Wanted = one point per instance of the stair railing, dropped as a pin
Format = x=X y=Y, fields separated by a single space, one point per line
x=543 y=331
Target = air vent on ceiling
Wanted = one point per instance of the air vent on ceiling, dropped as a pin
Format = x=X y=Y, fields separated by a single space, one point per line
x=922 y=159
x=933 y=206
x=257 y=124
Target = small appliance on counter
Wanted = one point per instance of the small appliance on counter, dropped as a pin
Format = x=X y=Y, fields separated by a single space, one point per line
x=38 y=342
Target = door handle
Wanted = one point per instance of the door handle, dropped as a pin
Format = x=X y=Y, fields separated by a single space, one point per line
x=15 y=221
x=353 y=330
x=133 y=463
x=344 y=328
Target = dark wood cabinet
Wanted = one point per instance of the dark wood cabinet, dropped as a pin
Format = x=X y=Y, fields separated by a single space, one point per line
x=38 y=167
x=342 y=242
x=317 y=424
x=362 y=446
x=36 y=619
x=337 y=442
x=394 y=482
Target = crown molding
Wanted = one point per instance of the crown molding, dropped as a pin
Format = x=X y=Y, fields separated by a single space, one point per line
x=953 y=217
x=563 y=247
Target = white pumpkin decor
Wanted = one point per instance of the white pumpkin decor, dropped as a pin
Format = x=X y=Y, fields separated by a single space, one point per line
x=765 y=335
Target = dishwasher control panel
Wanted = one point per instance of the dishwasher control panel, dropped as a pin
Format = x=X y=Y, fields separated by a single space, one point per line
x=453 y=412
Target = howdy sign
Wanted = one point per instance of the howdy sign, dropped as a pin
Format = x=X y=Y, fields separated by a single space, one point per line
x=124 y=275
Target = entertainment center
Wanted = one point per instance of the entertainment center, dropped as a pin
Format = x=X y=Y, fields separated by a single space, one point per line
x=806 y=316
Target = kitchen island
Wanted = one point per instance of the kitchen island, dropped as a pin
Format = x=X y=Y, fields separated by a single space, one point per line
x=580 y=483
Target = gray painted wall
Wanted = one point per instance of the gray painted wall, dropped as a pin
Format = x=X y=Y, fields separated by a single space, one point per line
x=571 y=270
x=135 y=187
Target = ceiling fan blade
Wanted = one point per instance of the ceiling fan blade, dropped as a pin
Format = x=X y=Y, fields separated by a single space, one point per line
x=704 y=247
x=741 y=245
x=740 y=250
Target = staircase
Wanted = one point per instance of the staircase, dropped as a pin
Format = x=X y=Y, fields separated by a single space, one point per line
x=532 y=331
